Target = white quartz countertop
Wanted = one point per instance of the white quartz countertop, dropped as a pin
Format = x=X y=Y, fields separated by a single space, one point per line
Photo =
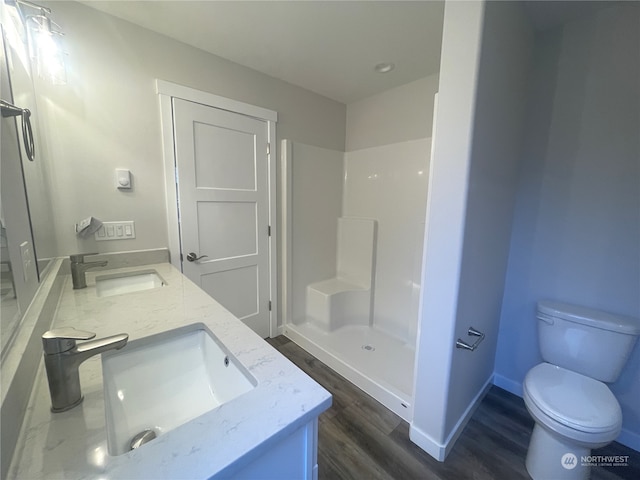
x=73 y=444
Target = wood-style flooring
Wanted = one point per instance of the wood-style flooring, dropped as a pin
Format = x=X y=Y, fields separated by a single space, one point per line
x=361 y=439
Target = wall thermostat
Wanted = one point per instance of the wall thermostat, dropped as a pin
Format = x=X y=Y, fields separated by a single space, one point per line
x=123 y=179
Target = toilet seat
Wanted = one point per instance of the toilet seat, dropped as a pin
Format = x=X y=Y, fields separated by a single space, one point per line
x=583 y=407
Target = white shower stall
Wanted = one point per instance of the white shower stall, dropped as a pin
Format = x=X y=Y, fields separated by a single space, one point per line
x=353 y=236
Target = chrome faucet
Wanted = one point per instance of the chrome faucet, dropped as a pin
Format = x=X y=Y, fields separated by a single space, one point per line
x=79 y=268
x=62 y=358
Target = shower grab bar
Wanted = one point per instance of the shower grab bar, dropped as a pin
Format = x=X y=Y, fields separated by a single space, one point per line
x=472 y=332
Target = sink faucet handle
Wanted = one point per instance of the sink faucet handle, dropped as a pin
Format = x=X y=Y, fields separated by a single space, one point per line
x=63 y=339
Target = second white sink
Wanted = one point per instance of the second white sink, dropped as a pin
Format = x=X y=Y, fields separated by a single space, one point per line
x=157 y=383
x=107 y=285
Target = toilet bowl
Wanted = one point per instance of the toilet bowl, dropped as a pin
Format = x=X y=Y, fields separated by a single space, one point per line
x=573 y=414
x=573 y=408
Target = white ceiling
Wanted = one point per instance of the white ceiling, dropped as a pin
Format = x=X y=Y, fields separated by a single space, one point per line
x=328 y=47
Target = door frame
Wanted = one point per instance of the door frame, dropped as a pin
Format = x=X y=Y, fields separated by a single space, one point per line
x=166 y=92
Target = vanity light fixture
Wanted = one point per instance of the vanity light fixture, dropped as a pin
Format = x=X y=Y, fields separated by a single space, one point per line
x=44 y=37
x=384 y=67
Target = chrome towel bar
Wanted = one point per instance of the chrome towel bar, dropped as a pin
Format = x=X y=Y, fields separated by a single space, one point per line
x=472 y=332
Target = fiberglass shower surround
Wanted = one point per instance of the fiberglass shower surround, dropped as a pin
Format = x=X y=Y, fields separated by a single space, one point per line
x=354 y=234
x=347 y=298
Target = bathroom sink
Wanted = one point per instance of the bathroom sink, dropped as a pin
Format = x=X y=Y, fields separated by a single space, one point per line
x=107 y=285
x=160 y=382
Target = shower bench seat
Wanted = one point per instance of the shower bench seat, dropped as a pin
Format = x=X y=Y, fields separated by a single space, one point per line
x=336 y=302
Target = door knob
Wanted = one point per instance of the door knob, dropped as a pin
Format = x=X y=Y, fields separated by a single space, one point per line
x=193 y=257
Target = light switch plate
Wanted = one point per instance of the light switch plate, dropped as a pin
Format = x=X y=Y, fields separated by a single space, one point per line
x=125 y=230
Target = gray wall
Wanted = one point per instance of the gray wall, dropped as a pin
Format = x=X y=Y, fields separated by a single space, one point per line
x=107 y=116
x=395 y=115
x=576 y=233
x=493 y=176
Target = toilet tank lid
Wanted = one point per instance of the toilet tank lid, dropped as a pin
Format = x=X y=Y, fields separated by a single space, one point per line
x=590 y=317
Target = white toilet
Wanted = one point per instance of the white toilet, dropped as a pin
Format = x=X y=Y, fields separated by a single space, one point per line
x=573 y=409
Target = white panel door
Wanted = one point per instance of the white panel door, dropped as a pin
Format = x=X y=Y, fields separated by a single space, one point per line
x=223 y=198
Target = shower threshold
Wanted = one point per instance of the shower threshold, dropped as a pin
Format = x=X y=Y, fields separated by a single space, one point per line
x=375 y=362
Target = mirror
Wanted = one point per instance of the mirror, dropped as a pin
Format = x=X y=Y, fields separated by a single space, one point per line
x=9 y=159
x=19 y=238
x=9 y=310
x=35 y=173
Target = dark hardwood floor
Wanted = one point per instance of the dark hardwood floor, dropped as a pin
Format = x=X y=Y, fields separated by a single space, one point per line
x=361 y=439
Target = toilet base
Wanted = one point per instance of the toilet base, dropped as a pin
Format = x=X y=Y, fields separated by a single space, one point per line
x=551 y=457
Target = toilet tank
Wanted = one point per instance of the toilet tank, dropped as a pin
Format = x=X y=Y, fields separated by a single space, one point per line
x=594 y=343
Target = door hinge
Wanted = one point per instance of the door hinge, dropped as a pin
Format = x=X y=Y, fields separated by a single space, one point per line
x=268 y=148
x=269 y=305
x=269 y=230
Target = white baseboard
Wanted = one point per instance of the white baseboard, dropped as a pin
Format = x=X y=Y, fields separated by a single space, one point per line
x=279 y=331
x=426 y=443
x=508 y=384
x=438 y=450
x=630 y=439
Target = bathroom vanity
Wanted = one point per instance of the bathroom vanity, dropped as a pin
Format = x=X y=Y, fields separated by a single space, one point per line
x=268 y=429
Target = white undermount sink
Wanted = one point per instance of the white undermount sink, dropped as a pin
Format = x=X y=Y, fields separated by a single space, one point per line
x=160 y=382
x=115 y=284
